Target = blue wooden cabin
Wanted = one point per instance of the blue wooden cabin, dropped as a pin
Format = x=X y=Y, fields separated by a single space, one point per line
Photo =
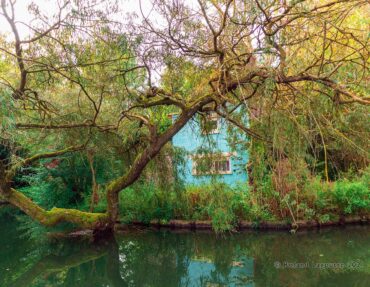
x=209 y=154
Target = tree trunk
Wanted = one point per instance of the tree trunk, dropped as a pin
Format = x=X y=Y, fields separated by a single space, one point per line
x=112 y=206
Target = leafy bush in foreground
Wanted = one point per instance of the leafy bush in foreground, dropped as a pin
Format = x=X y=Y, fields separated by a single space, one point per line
x=225 y=206
x=221 y=204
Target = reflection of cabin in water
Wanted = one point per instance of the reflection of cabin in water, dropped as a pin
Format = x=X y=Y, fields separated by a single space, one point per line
x=209 y=152
x=202 y=272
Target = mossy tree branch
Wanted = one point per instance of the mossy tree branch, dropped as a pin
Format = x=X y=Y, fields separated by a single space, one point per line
x=55 y=215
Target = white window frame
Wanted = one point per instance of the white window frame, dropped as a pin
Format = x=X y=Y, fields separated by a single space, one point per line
x=211 y=117
x=224 y=155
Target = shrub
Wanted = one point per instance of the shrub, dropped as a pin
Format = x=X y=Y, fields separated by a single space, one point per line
x=352 y=197
x=343 y=196
x=223 y=219
x=146 y=202
x=216 y=202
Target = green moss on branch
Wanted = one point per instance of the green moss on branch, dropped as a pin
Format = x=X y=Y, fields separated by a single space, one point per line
x=57 y=215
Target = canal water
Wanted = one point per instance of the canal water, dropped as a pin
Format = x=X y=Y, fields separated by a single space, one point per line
x=330 y=257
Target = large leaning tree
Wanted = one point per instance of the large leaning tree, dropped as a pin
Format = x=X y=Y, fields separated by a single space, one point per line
x=81 y=72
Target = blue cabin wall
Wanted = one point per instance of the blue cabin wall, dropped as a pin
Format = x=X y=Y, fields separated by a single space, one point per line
x=190 y=138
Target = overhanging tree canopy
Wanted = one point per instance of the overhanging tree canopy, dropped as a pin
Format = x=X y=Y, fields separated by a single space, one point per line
x=81 y=70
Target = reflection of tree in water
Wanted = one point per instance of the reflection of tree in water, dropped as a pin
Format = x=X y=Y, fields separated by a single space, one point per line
x=136 y=261
x=224 y=256
x=155 y=259
x=76 y=264
x=165 y=259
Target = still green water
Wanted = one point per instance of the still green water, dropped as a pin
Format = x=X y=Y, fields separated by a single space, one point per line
x=331 y=257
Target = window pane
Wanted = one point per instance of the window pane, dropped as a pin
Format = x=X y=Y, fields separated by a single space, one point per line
x=213 y=164
x=222 y=165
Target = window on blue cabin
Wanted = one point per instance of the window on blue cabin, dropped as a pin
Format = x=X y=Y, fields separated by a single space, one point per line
x=210 y=123
x=211 y=164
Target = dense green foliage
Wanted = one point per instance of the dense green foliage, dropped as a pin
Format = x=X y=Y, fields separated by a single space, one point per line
x=69 y=185
x=225 y=206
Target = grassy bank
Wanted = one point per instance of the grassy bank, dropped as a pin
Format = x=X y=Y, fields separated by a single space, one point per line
x=225 y=206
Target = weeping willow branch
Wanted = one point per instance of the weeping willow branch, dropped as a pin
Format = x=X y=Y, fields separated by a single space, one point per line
x=11 y=173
